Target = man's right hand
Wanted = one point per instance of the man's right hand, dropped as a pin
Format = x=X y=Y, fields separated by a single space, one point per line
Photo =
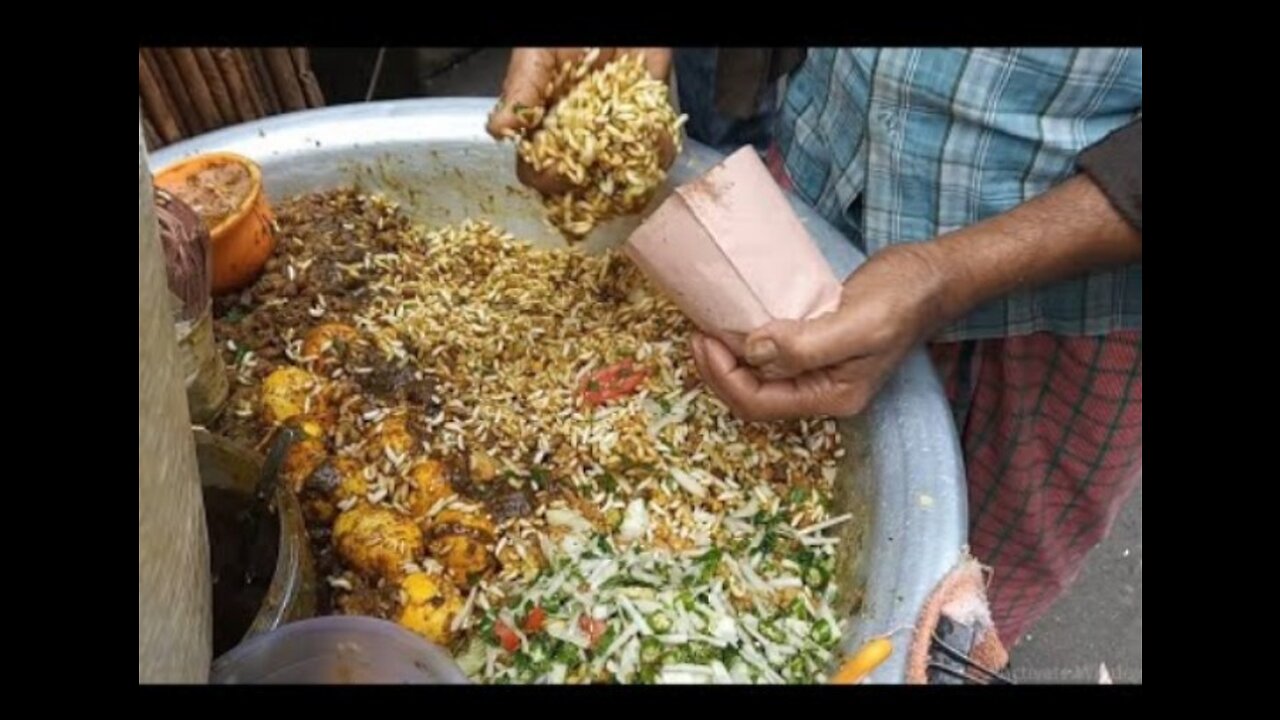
x=528 y=75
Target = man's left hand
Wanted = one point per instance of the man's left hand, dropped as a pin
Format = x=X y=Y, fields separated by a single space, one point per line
x=835 y=363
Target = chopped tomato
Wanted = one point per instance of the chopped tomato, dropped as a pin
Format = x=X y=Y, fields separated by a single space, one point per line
x=506 y=636
x=592 y=627
x=533 y=623
x=613 y=382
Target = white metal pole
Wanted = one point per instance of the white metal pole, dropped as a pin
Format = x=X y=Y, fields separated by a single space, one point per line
x=174 y=604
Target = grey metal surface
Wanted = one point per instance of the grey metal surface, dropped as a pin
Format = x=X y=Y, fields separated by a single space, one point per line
x=434 y=156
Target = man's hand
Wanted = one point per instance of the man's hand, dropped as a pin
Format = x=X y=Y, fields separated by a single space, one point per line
x=525 y=89
x=834 y=364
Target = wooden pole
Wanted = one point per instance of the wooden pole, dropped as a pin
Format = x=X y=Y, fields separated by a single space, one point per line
x=153 y=102
x=153 y=138
x=310 y=86
x=265 y=80
x=285 y=78
x=189 y=69
x=178 y=91
x=218 y=88
x=250 y=78
x=235 y=84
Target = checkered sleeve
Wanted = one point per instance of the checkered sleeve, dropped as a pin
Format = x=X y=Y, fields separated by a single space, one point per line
x=1115 y=163
x=901 y=145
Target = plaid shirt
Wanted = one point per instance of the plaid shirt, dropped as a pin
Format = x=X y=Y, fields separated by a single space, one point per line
x=902 y=145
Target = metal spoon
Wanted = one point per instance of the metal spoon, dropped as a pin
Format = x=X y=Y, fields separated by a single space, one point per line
x=262 y=506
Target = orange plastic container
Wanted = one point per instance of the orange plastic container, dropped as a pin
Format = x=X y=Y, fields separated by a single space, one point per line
x=242 y=240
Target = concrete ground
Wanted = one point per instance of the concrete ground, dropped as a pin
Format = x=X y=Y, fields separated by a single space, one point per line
x=1099 y=621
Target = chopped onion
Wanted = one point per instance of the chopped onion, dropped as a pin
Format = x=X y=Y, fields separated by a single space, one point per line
x=634 y=521
x=568 y=518
x=688 y=482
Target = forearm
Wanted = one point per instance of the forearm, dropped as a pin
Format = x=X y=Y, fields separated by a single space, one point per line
x=1063 y=233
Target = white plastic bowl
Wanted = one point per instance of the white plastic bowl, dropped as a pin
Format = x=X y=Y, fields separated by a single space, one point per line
x=337 y=650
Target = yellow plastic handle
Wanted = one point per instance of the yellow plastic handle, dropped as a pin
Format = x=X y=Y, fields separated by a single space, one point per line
x=860 y=665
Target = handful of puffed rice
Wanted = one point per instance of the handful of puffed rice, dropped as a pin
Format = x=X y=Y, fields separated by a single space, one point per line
x=604 y=137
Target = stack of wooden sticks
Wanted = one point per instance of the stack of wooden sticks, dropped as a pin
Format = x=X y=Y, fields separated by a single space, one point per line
x=188 y=91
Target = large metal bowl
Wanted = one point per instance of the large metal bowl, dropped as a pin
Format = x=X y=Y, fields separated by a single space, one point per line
x=905 y=478
x=292 y=593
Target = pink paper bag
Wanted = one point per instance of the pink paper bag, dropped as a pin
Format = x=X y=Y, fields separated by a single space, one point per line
x=730 y=252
